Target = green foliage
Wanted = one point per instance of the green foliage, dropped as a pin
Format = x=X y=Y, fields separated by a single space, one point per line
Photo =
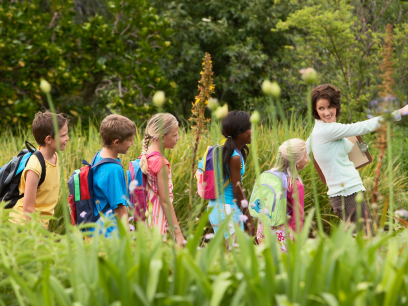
x=42 y=268
x=238 y=37
x=99 y=57
x=84 y=145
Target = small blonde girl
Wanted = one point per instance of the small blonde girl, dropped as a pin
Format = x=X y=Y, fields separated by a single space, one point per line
x=294 y=149
x=157 y=169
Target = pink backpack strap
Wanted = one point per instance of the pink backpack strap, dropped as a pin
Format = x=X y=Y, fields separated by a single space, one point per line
x=155 y=153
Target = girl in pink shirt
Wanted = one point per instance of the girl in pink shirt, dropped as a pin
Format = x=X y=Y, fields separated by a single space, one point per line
x=294 y=149
x=162 y=133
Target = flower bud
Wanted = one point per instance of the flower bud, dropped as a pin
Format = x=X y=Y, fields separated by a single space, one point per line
x=221 y=112
x=359 y=198
x=158 y=98
x=309 y=75
x=213 y=104
x=255 y=117
x=271 y=89
x=45 y=86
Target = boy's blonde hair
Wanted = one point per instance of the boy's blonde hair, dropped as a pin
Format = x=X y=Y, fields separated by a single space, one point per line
x=159 y=124
x=116 y=127
x=292 y=149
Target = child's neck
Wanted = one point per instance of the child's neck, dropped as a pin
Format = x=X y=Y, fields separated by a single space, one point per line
x=109 y=153
x=238 y=144
x=49 y=154
x=155 y=147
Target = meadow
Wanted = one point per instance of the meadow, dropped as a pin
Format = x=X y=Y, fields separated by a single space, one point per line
x=60 y=267
x=84 y=145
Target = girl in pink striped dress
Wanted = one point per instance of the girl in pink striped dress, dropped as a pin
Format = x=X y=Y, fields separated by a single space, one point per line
x=162 y=131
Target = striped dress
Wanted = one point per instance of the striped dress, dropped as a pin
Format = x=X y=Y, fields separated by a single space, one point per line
x=157 y=218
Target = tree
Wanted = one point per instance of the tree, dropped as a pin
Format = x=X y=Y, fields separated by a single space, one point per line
x=99 y=57
x=238 y=36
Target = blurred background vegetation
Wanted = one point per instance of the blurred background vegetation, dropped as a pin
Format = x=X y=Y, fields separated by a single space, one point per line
x=106 y=57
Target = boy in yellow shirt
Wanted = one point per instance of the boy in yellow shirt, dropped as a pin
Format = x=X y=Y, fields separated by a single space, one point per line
x=41 y=198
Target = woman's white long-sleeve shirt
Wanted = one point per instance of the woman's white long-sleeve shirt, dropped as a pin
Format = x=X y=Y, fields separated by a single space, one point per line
x=330 y=149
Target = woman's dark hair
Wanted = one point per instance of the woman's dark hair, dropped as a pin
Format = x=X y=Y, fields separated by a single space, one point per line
x=236 y=123
x=328 y=92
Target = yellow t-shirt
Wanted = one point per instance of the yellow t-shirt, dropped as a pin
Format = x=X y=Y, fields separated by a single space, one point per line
x=47 y=193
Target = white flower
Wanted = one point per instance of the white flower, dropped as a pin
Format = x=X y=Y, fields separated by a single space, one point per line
x=209 y=236
x=184 y=241
x=221 y=112
x=133 y=185
x=83 y=214
x=309 y=75
x=244 y=203
x=158 y=98
x=45 y=86
x=401 y=213
x=131 y=219
x=131 y=227
x=243 y=218
x=266 y=211
x=213 y=104
x=255 y=117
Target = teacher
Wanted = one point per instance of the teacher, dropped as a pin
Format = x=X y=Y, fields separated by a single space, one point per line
x=330 y=148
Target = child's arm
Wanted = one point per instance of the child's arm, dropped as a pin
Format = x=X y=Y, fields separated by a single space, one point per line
x=162 y=177
x=122 y=213
x=30 y=193
x=234 y=165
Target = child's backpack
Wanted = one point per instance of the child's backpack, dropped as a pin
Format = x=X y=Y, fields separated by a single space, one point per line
x=137 y=196
x=83 y=208
x=10 y=175
x=206 y=183
x=269 y=197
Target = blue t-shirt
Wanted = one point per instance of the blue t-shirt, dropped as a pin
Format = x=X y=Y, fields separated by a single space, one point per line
x=228 y=191
x=109 y=187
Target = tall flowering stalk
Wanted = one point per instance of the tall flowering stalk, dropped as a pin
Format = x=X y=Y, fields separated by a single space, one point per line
x=384 y=132
x=205 y=89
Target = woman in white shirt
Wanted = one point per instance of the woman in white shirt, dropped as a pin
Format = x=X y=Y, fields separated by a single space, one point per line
x=330 y=150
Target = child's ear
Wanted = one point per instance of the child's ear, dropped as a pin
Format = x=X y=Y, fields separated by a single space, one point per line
x=48 y=139
x=115 y=142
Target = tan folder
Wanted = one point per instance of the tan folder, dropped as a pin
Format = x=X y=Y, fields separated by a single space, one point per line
x=358 y=158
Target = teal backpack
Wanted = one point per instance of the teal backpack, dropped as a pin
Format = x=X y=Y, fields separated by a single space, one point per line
x=272 y=186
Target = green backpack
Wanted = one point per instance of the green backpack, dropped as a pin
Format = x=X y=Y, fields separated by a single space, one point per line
x=272 y=186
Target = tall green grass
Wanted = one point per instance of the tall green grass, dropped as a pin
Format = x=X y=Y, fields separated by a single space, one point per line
x=39 y=267
x=84 y=145
x=139 y=269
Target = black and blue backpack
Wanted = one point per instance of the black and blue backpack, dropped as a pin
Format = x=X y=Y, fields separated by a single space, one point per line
x=10 y=175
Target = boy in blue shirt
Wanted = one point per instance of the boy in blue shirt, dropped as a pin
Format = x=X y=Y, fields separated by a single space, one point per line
x=109 y=183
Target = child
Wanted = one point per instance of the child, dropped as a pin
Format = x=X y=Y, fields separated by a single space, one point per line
x=109 y=183
x=162 y=130
x=291 y=149
x=236 y=127
x=45 y=197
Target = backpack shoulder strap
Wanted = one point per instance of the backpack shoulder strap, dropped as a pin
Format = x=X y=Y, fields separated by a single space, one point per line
x=106 y=161
x=40 y=158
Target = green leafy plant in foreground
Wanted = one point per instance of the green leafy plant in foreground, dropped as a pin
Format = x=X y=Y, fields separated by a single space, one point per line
x=139 y=269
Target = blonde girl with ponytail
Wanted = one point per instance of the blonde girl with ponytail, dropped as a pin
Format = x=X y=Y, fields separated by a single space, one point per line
x=161 y=133
x=291 y=151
